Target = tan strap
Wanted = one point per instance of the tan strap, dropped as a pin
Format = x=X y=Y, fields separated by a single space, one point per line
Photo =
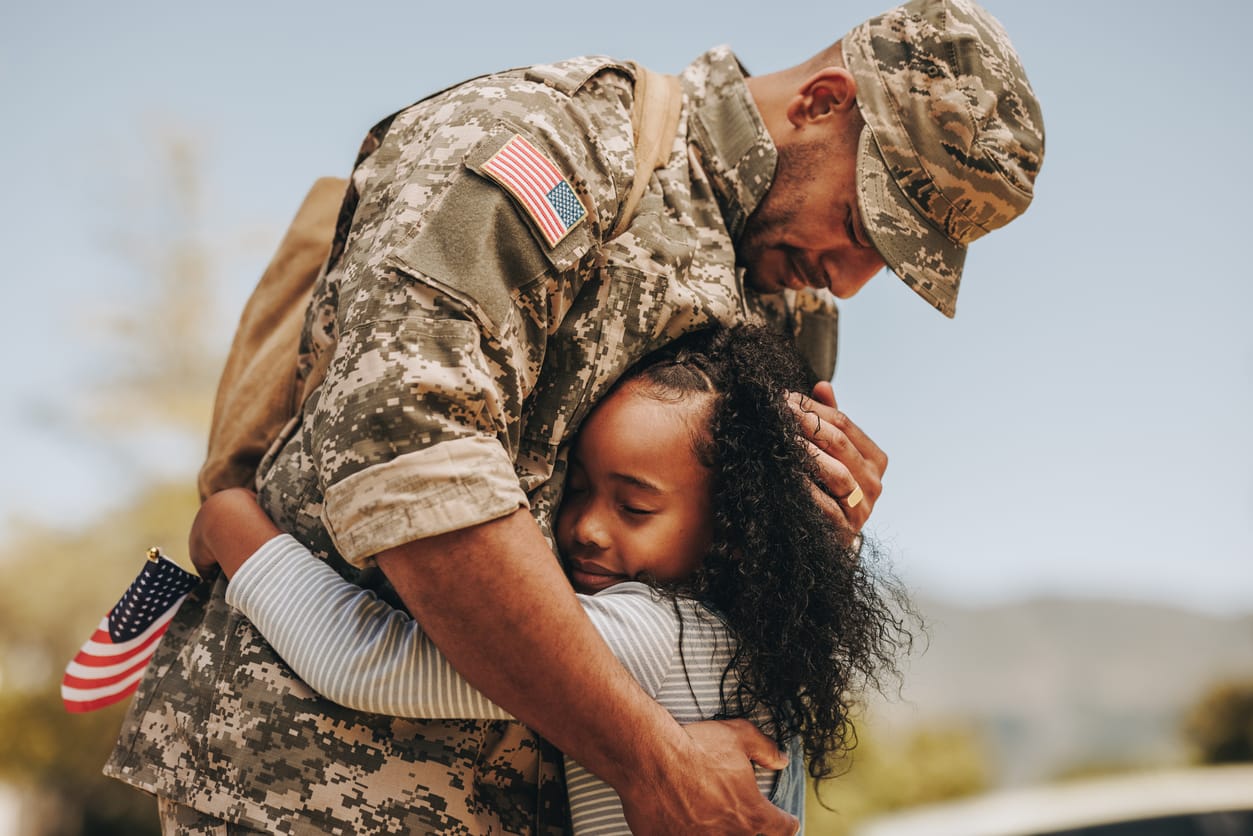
x=655 y=121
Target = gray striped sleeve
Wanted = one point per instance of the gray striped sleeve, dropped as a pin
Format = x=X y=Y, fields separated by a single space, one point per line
x=641 y=631
x=347 y=644
x=360 y=652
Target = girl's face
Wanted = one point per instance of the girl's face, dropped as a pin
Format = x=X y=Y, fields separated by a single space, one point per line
x=637 y=500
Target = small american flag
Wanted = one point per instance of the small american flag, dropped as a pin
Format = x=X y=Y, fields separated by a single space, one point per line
x=111 y=663
x=538 y=186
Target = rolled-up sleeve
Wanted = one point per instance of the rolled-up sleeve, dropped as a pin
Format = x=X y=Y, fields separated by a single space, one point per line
x=411 y=432
x=444 y=488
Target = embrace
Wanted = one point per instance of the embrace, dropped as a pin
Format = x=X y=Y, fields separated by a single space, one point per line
x=565 y=536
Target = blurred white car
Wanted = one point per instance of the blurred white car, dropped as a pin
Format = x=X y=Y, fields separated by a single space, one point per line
x=1205 y=801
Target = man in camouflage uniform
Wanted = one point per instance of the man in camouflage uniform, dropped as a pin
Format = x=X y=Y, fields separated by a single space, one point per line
x=474 y=318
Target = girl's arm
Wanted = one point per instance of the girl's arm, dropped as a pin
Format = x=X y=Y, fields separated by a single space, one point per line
x=347 y=644
x=357 y=650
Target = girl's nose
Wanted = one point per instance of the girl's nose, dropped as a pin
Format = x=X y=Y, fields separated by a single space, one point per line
x=589 y=530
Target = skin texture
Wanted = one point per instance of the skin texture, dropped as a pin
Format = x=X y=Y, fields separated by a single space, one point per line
x=808 y=231
x=635 y=504
x=846 y=458
x=228 y=528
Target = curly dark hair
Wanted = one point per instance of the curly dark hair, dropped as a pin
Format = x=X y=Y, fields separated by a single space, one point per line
x=813 y=625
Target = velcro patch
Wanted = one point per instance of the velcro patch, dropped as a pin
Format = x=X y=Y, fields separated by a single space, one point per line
x=538 y=187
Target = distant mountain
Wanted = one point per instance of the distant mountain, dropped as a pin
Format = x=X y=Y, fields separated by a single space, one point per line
x=1054 y=685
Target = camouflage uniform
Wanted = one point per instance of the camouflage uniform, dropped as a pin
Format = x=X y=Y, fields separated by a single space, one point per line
x=467 y=347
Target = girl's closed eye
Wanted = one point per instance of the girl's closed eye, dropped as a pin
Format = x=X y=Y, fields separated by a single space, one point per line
x=644 y=507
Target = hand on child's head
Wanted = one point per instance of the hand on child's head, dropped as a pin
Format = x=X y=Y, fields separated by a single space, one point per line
x=849 y=464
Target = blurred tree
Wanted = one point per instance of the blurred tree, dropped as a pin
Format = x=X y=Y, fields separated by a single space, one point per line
x=54 y=588
x=890 y=772
x=1220 y=726
x=167 y=344
x=158 y=377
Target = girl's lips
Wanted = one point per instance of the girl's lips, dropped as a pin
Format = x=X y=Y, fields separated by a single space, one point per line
x=586 y=576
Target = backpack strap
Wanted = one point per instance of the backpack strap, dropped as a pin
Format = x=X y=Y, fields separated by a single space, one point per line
x=654 y=121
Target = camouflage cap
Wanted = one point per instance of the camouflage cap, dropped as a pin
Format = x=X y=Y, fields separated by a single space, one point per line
x=953 y=138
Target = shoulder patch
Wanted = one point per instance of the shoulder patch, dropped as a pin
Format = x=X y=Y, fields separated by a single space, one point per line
x=538 y=187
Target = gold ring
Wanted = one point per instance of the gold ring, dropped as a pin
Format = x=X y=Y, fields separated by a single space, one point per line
x=854 y=499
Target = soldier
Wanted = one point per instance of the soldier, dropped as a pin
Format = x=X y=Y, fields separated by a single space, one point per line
x=481 y=294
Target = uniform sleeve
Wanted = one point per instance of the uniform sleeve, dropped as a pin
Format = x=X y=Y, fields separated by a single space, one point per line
x=449 y=285
x=360 y=652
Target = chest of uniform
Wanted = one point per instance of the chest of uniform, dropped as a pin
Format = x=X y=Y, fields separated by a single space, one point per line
x=640 y=292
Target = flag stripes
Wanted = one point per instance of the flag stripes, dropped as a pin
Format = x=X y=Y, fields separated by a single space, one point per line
x=538 y=186
x=111 y=662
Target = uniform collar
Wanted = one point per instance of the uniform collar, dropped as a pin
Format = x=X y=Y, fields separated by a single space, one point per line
x=727 y=133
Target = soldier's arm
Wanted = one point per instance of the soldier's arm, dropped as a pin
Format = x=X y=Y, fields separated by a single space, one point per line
x=496 y=603
x=377 y=658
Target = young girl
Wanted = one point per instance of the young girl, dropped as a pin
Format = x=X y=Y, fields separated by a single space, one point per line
x=688 y=528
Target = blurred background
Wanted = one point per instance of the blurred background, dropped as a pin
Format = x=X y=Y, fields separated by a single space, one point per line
x=1071 y=489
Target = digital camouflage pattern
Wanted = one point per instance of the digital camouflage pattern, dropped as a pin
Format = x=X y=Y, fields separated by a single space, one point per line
x=178 y=820
x=953 y=141
x=465 y=352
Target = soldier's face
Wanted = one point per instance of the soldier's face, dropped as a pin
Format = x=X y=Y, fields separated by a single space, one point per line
x=808 y=230
x=637 y=500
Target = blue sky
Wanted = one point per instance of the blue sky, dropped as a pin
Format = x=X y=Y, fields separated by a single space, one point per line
x=1081 y=428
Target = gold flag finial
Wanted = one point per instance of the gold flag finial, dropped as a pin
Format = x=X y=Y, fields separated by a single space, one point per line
x=154 y=553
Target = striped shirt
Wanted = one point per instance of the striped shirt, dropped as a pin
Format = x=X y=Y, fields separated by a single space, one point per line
x=358 y=651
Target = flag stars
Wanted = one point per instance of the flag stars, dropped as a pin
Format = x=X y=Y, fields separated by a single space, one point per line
x=110 y=664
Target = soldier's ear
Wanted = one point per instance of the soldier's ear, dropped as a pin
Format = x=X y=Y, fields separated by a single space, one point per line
x=826 y=94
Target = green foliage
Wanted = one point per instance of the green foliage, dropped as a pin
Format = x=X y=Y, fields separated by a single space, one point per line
x=56 y=584
x=54 y=588
x=888 y=772
x=1220 y=726
x=56 y=757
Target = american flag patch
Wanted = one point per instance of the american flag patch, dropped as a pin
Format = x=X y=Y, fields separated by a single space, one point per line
x=536 y=184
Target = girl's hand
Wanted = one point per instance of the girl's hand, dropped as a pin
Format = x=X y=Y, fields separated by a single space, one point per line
x=229 y=527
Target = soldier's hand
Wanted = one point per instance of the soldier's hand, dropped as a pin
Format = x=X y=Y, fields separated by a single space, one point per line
x=711 y=787
x=850 y=464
